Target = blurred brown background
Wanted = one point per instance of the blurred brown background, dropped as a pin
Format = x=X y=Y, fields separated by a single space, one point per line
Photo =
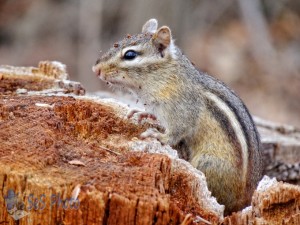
x=252 y=45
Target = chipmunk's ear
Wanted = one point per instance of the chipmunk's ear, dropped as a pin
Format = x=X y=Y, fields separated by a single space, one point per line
x=150 y=26
x=162 y=38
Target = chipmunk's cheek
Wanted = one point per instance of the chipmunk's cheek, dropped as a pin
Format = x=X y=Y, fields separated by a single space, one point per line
x=112 y=76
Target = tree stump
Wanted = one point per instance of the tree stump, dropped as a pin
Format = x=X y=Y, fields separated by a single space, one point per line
x=66 y=158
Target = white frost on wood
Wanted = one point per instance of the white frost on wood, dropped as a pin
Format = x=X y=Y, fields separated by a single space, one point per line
x=265 y=183
x=247 y=209
x=45 y=105
x=20 y=91
x=153 y=146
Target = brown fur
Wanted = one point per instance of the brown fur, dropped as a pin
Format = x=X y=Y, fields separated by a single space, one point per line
x=216 y=157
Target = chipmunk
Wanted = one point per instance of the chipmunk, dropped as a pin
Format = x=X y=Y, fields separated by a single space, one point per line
x=204 y=120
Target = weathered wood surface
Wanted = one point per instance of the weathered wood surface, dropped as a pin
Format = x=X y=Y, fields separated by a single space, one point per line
x=281 y=150
x=273 y=203
x=50 y=76
x=53 y=146
x=69 y=160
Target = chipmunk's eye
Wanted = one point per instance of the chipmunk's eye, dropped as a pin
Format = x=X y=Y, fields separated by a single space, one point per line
x=130 y=54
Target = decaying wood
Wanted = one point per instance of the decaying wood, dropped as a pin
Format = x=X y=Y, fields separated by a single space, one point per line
x=281 y=150
x=67 y=159
x=273 y=203
x=50 y=76
x=75 y=160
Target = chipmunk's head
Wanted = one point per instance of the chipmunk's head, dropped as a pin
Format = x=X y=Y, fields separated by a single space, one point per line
x=137 y=58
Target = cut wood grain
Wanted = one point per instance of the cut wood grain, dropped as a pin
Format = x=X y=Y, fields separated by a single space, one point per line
x=36 y=148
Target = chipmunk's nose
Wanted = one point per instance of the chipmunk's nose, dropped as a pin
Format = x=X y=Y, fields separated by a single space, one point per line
x=97 y=70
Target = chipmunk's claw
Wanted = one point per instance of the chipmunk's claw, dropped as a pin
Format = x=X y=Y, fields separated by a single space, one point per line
x=154 y=133
x=140 y=115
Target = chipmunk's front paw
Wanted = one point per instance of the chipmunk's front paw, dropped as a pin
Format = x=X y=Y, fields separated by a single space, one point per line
x=140 y=115
x=154 y=133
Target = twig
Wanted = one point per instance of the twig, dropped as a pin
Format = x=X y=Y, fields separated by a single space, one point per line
x=111 y=151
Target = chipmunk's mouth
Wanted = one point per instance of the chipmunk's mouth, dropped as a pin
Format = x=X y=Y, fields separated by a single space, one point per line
x=112 y=78
x=101 y=74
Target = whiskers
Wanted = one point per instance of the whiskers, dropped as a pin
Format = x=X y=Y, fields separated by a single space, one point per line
x=115 y=87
